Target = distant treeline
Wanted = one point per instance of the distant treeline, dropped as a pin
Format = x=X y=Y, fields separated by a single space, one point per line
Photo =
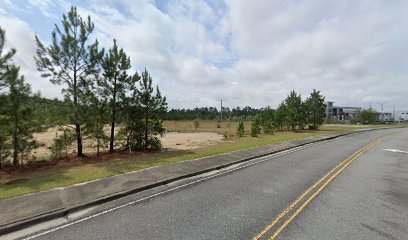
x=52 y=112
x=212 y=113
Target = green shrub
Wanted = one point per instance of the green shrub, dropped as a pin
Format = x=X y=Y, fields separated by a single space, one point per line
x=255 y=128
x=241 y=129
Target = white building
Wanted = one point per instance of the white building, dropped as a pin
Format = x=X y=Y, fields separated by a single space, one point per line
x=401 y=115
x=384 y=116
x=340 y=113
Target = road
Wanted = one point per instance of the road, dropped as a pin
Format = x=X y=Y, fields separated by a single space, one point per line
x=360 y=192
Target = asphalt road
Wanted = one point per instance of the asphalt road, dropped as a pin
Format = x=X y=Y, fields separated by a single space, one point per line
x=366 y=200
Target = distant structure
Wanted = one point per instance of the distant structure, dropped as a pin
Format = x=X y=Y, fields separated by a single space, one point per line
x=346 y=114
x=384 y=116
x=401 y=115
x=335 y=113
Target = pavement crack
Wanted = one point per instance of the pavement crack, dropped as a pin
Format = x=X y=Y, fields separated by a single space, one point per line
x=379 y=232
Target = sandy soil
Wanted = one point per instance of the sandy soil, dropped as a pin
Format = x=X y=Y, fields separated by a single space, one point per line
x=186 y=141
x=172 y=140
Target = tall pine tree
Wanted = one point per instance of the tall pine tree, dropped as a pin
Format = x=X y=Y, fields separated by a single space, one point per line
x=153 y=107
x=267 y=120
x=146 y=109
x=295 y=110
x=281 y=115
x=71 y=61
x=115 y=84
x=19 y=116
x=316 y=109
x=4 y=60
x=5 y=57
x=4 y=137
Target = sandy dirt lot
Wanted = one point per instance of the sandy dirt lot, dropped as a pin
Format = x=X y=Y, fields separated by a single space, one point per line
x=185 y=141
x=172 y=140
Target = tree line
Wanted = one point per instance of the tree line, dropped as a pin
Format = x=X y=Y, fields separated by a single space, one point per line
x=293 y=113
x=98 y=90
x=211 y=113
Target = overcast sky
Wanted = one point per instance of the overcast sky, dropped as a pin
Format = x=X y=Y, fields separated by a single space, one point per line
x=244 y=52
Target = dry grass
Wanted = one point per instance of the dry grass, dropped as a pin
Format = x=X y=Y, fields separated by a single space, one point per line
x=172 y=140
x=229 y=127
x=71 y=171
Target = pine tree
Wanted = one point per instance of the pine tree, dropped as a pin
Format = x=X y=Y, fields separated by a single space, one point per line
x=256 y=127
x=19 y=116
x=72 y=61
x=267 y=120
x=114 y=84
x=4 y=66
x=4 y=57
x=241 y=128
x=59 y=147
x=96 y=120
x=146 y=109
x=295 y=110
x=316 y=109
x=4 y=137
x=281 y=116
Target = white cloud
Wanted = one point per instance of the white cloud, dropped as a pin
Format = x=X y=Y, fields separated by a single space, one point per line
x=340 y=48
x=253 y=52
x=20 y=36
x=45 y=6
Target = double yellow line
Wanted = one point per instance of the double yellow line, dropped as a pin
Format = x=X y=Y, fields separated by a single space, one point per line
x=329 y=176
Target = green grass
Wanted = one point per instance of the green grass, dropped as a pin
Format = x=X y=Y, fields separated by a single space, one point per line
x=52 y=177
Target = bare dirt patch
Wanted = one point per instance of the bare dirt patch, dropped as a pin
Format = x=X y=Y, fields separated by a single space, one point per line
x=187 y=141
x=172 y=140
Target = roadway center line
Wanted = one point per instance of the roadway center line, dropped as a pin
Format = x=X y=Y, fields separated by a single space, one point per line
x=248 y=164
x=342 y=166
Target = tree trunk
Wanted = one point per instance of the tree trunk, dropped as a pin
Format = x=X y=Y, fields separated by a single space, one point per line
x=314 y=121
x=79 y=140
x=146 y=127
x=98 y=135
x=128 y=141
x=97 y=147
x=112 y=136
x=1 y=155
x=77 y=125
x=15 y=142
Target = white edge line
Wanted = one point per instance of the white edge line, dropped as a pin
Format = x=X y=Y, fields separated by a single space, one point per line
x=263 y=159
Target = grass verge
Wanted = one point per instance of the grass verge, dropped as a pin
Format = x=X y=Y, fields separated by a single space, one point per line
x=28 y=181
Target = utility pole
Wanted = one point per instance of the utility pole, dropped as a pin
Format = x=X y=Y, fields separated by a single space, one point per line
x=221 y=109
x=382 y=105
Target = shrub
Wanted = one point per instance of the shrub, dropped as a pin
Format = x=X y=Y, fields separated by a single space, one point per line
x=241 y=129
x=196 y=124
x=225 y=135
x=59 y=147
x=255 y=128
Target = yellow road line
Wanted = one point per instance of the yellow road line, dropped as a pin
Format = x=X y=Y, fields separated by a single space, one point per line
x=322 y=187
x=288 y=209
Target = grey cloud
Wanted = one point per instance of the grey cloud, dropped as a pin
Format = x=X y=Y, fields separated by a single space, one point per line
x=256 y=51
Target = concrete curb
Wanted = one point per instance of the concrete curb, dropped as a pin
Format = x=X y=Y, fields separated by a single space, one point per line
x=31 y=209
